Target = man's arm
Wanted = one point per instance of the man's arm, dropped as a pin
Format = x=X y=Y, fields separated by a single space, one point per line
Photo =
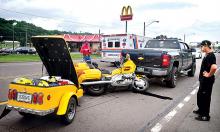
x=212 y=71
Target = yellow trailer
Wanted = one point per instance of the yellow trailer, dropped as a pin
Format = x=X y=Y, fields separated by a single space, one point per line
x=57 y=93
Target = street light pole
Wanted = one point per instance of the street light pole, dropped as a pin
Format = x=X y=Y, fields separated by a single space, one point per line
x=126 y=27
x=15 y=23
x=184 y=37
x=149 y=25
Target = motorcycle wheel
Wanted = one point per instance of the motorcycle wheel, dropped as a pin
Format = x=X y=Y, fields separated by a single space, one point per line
x=95 y=90
x=140 y=85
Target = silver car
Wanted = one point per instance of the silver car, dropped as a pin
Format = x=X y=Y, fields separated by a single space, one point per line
x=197 y=52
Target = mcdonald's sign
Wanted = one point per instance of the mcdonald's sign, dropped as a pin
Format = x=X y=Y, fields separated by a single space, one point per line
x=126 y=13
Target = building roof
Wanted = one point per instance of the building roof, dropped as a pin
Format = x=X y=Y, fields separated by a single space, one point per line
x=82 y=38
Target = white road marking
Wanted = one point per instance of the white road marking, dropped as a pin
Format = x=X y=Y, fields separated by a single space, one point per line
x=193 y=92
x=187 y=98
x=156 y=128
x=180 y=105
x=170 y=115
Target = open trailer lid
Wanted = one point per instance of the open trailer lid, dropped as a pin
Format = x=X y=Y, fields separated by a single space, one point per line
x=55 y=56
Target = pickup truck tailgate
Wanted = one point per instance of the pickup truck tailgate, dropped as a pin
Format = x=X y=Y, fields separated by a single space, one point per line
x=146 y=57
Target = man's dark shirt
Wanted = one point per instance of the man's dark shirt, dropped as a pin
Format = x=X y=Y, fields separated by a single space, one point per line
x=207 y=62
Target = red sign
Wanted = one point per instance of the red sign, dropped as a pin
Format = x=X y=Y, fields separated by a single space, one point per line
x=126 y=13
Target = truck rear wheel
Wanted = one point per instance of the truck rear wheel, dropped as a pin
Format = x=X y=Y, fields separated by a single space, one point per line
x=70 y=112
x=191 y=73
x=172 y=79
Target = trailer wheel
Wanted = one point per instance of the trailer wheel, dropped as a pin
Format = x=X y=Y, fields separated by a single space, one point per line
x=70 y=112
x=140 y=85
x=95 y=90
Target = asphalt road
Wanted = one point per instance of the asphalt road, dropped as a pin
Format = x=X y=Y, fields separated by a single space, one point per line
x=117 y=111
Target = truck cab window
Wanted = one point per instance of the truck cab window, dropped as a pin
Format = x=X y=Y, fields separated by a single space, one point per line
x=166 y=44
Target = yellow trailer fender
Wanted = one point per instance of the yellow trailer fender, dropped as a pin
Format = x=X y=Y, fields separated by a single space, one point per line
x=64 y=103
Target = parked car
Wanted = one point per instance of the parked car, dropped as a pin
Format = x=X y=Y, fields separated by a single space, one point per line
x=197 y=52
x=25 y=50
x=2 y=50
x=217 y=51
x=32 y=51
x=21 y=50
x=8 y=51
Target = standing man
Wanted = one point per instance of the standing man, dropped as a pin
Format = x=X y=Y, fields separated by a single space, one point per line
x=86 y=51
x=206 y=79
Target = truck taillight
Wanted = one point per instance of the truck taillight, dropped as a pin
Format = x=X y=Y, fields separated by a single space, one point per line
x=165 y=60
x=40 y=98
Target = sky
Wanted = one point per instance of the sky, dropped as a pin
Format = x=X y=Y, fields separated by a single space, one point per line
x=196 y=19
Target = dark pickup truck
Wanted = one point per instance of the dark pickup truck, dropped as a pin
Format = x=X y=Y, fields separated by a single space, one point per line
x=163 y=58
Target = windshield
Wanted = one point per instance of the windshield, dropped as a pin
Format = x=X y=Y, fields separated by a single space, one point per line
x=167 y=44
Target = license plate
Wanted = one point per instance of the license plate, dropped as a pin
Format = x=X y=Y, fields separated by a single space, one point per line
x=23 y=97
x=140 y=69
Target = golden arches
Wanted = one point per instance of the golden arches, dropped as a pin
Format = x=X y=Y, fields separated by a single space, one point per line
x=126 y=11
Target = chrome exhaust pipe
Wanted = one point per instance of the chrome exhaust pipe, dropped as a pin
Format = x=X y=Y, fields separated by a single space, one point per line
x=95 y=82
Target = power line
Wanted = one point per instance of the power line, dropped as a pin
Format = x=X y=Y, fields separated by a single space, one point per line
x=68 y=21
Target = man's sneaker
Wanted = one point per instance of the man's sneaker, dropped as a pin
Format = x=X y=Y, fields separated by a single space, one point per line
x=203 y=118
x=196 y=112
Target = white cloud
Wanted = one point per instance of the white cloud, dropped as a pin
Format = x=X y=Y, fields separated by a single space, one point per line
x=177 y=17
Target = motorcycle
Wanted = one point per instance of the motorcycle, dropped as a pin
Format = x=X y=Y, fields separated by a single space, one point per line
x=95 y=81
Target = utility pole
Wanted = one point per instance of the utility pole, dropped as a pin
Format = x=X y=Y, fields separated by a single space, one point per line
x=15 y=23
x=26 y=37
x=184 y=37
x=126 y=27
x=99 y=39
x=99 y=35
